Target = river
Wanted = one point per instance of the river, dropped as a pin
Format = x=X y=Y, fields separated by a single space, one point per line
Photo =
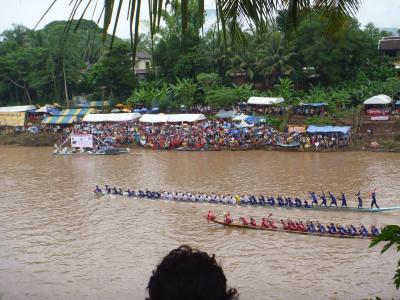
x=57 y=241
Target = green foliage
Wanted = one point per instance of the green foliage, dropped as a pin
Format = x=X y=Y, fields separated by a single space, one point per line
x=391 y=235
x=184 y=91
x=285 y=89
x=221 y=97
x=317 y=120
x=207 y=81
x=114 y=71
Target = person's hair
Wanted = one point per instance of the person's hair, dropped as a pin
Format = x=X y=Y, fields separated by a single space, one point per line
x=186 y=273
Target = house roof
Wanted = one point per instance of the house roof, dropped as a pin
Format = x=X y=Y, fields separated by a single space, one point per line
x=389 y=43
x=143 y=55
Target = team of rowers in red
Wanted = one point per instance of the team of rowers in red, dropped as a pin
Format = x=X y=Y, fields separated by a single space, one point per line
x=299 y=226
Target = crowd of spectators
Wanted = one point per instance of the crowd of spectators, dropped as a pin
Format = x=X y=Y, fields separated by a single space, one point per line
x=203 y=135
x=309 y=111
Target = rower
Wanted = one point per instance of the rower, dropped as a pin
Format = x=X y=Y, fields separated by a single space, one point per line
x=364 y=231
x=344 y=201
x=373 y=196
x=244 y=221
x=342 y=230
x=97 y=190
x=264 y=223
x=374 y=230
x=311 y=227
x=284 y=225
x=359 y=199
x=210 y=216
x=120 y=192
x=300 y=226
x=313 y=198
x=114 y=191
x=280 y=201
x=323 y=198
x=352 y=230
x=261 y=199
x=332 y=229
x=297 y=202
x=321 y=228
x=333 y=199
x=253 y=222
x=306 y=205
x=272 y=201
x=227 y=218
x=108 y=189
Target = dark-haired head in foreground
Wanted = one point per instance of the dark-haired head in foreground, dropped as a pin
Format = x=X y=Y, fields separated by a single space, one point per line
x=188 y=274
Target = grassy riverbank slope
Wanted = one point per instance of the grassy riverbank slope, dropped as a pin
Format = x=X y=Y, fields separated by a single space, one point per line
x=29 y=139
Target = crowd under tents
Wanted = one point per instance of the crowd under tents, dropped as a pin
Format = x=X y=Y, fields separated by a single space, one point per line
x=226 y=114
x=119 y=117
x=312 y=129
x=171 y=118
x=265 y=100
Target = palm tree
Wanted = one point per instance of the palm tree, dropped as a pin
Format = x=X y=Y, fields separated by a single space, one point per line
x=275 y=58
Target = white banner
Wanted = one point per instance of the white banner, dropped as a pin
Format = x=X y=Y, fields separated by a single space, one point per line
x=82 y=140
x=380 y=118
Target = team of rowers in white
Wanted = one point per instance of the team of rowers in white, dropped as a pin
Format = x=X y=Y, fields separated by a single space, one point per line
x=237 y=199
x=298 y=226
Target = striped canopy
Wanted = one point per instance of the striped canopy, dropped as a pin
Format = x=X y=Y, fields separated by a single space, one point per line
x=76 y=112
x=60 y=120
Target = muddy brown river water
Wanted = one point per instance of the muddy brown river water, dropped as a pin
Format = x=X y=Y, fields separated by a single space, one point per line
x=57 y=241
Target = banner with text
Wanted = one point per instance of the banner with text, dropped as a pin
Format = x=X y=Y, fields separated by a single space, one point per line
x=82 y=140
x=380 y=118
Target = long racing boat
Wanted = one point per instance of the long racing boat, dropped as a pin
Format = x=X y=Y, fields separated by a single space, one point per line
x=310 y=208
x=333 y=235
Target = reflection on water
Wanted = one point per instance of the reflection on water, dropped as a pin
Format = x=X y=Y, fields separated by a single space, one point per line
x=58 y=241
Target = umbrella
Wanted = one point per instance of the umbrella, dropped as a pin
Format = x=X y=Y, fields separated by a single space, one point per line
x=155 y=109
x=144 y=110
x=253 y=119
x=136 y=110
x=115 y=110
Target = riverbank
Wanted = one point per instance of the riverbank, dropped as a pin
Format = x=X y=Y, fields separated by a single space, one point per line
x=30 y=140
x=385 y=143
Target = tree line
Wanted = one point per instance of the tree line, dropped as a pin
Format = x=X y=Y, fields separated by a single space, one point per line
x=197 y=66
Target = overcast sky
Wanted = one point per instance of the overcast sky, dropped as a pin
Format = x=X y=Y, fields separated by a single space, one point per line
x=383 y=13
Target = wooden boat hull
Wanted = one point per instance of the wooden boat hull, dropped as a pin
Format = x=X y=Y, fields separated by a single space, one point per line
x=333 y=235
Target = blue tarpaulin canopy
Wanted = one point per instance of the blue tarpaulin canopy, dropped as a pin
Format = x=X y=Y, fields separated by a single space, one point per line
x=144 y=110
x=254 y=119
x=318 y=104
x=328 y=129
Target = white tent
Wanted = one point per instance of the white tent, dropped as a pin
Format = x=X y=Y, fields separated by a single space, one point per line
x=240 y=117
x=378 y=99
x=179 y=118
x=265 y=100
x=119 y=117
x=149 y=118
x=226 y=114
x=173 y=118
x=23 y=108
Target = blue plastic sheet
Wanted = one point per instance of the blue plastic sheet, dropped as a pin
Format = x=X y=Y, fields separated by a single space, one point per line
x=329 y=129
